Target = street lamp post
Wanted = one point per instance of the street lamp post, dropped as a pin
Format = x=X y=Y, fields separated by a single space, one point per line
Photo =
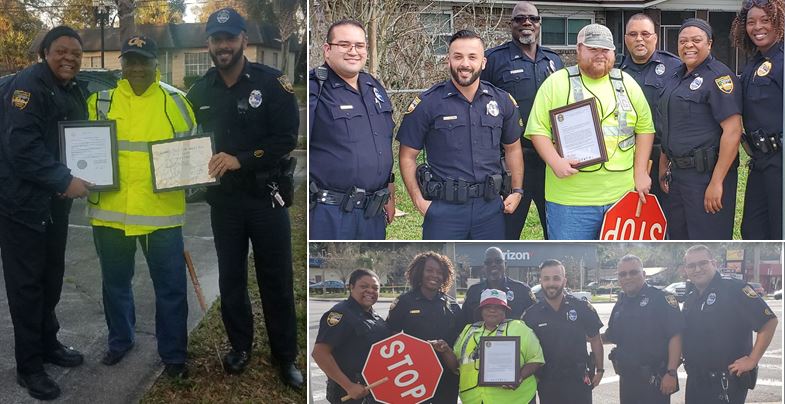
x=101 y=13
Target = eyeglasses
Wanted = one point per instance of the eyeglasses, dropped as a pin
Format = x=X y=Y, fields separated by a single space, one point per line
x=494 y=261
x=644 y=34
x=630 y=273
x=702 y=263
x=748 y=4
x=520 y=19
x=347 y=46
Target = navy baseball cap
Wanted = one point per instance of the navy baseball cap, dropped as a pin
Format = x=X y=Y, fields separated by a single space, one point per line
x=140 y=45
x=225 y=20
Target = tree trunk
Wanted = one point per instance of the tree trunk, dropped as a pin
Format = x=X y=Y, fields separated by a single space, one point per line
x=125 y=12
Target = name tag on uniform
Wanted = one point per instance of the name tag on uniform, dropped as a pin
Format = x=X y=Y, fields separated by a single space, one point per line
x=450 y=118
x=204 y=107
x=415 y=311
x=516 y=71
x=542 y=324
x=347 y=106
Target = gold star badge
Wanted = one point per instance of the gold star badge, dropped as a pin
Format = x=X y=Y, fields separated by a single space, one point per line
x=20 y=99
x=258 y=153
x=334 y=318
x=725 y=84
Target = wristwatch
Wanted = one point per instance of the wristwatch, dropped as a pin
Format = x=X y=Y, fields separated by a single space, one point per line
x=517 y=191
x=392 y=178
x=672 y=372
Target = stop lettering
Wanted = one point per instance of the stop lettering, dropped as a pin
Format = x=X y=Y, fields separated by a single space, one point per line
x=624 y=220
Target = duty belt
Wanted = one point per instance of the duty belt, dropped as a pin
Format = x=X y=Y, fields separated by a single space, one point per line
x=328 y=197
x=356 y=198
x=702 y=160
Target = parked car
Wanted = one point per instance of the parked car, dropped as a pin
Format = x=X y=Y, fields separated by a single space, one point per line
x=540 y=294
x=758 y=288
x=329 y=286
x=778 y=295
x=678 y=289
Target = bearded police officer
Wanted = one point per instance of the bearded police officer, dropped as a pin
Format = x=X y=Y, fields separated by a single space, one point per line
x=251 y=110
x=519 y=67
x=719 y=355
x=646 y=327
x=461 y=123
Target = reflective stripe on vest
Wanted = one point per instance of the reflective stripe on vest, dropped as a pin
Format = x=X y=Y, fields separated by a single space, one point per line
x=138 y=220
x=178 y=100
x=127 y=145
x=478 y=326
x=104 y=101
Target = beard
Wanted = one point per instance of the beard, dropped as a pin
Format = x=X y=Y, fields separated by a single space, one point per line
x=526 y=39
x=596 y=70
x=467 y=82
x=552 y=293
x=236 y=56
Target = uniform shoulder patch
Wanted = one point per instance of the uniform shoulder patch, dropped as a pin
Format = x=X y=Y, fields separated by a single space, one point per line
x=589 y=306
x=20 y=99
x=286 y=84
x=513 y=100
x=334 y=318
x=750 y=292
x=672 y=301
x=413 y=104
x=767 y=311
x=725 y=84
x=394 y=303
x=531 y=294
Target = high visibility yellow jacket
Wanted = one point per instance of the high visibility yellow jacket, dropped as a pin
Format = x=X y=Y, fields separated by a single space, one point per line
x=154 y=115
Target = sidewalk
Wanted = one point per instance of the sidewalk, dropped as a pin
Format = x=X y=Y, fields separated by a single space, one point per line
x=80 y=313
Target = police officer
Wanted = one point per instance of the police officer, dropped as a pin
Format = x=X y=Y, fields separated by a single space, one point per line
x=519 y=295
x=700 y=120
x=352 y=190
x=346 y=334
x=719 y=356
x=755 y=31
x=563 y=324
x=519 y=67
x=428 y=313
x=35 y=198
x=251 y=110
x=461 y=124
x=646 y=327
x=649 y=67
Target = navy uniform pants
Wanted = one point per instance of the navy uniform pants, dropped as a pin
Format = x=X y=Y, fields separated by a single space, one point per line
x=270 y=234
x=477 y=219
x=763 y=200
x=655 y=176
x=703 y=390
x=687 y=217
x=563 y=390
x=33 y=267
x=639 y=390
x=533 y=190
x=329 y=222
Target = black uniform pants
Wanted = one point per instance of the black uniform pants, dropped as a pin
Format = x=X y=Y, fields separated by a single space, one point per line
x=563 y=391
x=533 y=190
x=685 y=211
x=639 y=390
x=33 y=267
x=655 y=175
x=704 y=390
x=270 y=234
x=763 y=200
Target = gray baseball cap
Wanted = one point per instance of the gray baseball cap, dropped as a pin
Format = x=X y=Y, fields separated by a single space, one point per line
x=596 y=36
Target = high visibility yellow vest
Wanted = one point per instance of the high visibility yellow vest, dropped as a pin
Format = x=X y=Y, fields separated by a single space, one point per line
x=154 y=115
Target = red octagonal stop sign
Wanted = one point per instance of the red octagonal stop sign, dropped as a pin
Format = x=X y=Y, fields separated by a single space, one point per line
x=624 y=222
x=411 y=366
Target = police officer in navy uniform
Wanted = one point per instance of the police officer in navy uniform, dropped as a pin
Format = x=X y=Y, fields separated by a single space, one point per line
x=519 y=295
x=646 y=327
x=346 y=333
x=462 y=123
x=700 y=119
x=755 y=31
x=252 y=113
x=519 y=67
x=650 y=68
x=428 y=313
x=352 y=189
x=563 y=324
x=719 y=356
x=36 y=192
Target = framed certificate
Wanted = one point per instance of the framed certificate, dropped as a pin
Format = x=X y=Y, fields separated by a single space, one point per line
x=181 y=163
x=500 y=361
x=578 y=134
x=89 y=150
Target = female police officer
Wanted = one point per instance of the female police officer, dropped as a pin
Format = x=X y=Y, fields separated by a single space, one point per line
x=346 y=334
x=700 y=118
x=758 y=29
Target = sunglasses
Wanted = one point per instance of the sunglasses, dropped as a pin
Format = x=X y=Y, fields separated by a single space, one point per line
x=748 y=4
x=520 y=19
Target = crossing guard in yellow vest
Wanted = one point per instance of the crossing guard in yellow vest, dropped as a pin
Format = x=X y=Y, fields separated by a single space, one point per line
x=144 y=112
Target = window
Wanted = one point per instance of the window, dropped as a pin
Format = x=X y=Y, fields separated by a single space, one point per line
x=260 y=56
x=92 y=61
x=439 y=27
x=275 y=59
x=562 y=31
x=196 y=64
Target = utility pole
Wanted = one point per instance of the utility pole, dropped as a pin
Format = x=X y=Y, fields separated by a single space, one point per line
x=101 y=10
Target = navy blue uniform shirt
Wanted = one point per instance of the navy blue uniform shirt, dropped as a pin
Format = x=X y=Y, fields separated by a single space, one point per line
x=255 y=120
x=762 y=84
x=30 y=169
x=641 y=326
x=651 y=77
x=563 y=333
x=461 y=137
x=351 y=133
x=693 y=104
x=514 y=72
x=720 y=323
x=519 y=298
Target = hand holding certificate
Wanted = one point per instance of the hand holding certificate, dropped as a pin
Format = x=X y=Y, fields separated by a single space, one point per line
x=499 y=361
x=578 y=134
x=181 y=163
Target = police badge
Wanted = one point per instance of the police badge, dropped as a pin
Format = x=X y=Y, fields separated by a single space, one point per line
x=644 y=301
x=377 y=94
x=255 y=99
x=660 y=69
x=711 y=298
x=572 y=315
x=696 y=84
x=763 y=69
x=492 y=108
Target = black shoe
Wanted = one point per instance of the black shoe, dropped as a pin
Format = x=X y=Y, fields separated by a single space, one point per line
x=64 y=356
x=112 y=358
x=236 y=361
x=176 y=371
x=291 y=376
x=39 y=385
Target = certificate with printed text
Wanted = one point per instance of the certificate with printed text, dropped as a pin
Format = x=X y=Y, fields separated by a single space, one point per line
x=89 y=150
x=499 y=361
x=578 y=133
x=181 y=163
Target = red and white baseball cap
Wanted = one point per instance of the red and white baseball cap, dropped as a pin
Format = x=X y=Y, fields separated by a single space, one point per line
x=493 y=296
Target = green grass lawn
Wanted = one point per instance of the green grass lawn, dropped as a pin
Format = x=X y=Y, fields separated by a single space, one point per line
x=207 y=382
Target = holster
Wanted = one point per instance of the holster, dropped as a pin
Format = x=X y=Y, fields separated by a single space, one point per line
x=493 y=184
x=376 y=203
x=425 y=182
x=354 y=197
x=282 y=177
x=748 y=380
x=313 y=190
